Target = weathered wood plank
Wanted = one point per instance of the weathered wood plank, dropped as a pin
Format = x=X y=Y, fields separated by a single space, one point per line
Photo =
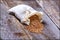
x=51 y=7
x=11 y=25
x=17 y=2
x=49 y=29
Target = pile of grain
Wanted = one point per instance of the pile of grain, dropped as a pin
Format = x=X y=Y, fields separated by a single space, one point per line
x=35 y=25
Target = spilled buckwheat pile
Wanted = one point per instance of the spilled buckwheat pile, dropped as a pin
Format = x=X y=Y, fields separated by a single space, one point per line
x=35 y=25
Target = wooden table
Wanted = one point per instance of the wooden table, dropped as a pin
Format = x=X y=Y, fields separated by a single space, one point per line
x=10 y=25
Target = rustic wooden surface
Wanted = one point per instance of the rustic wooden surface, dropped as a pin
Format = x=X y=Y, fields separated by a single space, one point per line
x=51 y=7
x=10 y=25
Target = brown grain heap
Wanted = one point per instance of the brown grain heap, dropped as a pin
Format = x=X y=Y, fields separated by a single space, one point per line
x=35 y=25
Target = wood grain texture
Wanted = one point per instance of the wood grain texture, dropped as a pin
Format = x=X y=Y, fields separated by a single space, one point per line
x=51 y=7
x=10 y=25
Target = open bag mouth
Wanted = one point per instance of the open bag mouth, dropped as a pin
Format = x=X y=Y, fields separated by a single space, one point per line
x=35 y=25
